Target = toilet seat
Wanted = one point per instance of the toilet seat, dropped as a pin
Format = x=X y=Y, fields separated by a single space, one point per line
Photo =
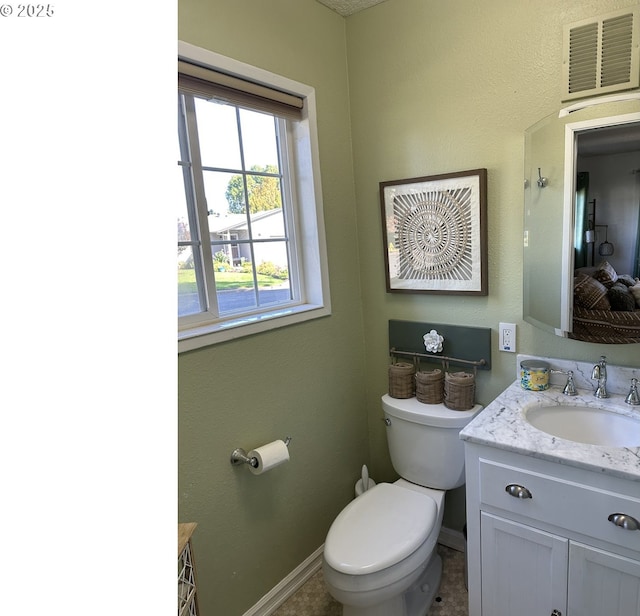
x=379 y=529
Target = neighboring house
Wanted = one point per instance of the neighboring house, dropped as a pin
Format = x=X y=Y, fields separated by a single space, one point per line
x=233 y=228
x=264 y=226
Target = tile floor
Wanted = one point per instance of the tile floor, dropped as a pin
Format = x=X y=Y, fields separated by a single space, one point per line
x=312 y=599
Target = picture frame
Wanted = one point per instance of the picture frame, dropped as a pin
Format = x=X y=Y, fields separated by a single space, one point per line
x=435 y=233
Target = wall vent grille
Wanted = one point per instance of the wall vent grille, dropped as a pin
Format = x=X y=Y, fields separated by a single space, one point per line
x=601 y=55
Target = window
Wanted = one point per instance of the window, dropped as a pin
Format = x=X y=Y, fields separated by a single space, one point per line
x=251 y=253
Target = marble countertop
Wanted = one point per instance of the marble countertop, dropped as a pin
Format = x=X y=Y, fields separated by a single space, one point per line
x=502 y=424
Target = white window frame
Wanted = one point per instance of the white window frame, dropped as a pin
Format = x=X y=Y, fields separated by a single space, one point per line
x=310 y=232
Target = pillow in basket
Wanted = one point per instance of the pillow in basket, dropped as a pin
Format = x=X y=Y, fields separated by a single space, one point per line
x=606 y=274
x=620 y=298
x=590 y=293
x=635 y=291
x=626 y=280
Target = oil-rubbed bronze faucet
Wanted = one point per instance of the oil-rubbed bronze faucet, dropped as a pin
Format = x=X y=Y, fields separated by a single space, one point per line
x=600 y=373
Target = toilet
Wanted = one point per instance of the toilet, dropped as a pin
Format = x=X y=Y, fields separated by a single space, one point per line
x=380 y=555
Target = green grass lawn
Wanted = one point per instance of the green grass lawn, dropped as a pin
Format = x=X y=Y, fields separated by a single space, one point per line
x=225 y=281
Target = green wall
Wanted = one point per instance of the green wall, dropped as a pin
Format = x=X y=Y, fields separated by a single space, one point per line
x=307 y=380
x=439 y=86
x=404 y=89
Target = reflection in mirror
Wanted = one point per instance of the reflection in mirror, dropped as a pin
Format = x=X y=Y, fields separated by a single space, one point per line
x=606 y=235
x=606 y=205
x=582 y=226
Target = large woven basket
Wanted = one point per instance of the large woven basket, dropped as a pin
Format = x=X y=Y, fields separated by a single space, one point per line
x=429 y=386
x=459 y=390
x=402 y=380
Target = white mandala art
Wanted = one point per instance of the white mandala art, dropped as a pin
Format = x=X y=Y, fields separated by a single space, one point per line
x=435 y=241
x=433 y=235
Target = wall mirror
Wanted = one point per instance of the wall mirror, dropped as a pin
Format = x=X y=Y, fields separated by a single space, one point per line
x=582 y=221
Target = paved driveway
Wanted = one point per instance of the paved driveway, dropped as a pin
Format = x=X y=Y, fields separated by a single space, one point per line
x=231 y=301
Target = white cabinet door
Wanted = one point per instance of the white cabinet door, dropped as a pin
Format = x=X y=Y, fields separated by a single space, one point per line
x=524 y=570
x=602 y=583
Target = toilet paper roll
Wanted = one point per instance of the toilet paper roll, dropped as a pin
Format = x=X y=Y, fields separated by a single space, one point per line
x=269 y=456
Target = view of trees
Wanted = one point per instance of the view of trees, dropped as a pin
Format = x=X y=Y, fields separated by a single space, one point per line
x=264 y=191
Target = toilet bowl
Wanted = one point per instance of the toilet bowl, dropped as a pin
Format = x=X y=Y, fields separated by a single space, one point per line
x=379 y=555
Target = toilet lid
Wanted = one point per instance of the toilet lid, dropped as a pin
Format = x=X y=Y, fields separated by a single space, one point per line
x=379 y=529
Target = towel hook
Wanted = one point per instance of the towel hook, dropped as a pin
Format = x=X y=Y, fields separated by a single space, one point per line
x=542 y=182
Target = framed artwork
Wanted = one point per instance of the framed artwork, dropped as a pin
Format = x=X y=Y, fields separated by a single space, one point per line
x=435 y=233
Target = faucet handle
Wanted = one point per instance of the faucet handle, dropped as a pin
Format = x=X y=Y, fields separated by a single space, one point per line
x=570 y=387
x=633 y=397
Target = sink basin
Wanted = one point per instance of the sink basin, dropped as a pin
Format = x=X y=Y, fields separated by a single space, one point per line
x=585 y=424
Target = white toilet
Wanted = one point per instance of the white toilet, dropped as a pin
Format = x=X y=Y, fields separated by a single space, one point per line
x=380 y=554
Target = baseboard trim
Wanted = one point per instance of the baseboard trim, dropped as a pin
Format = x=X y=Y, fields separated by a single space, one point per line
x=288 y=586
x=453 y=539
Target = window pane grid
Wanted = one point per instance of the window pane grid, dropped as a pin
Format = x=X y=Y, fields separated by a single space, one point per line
x=249 y=249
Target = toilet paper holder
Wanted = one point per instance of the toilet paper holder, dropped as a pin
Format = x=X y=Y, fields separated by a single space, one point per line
x=239 y=456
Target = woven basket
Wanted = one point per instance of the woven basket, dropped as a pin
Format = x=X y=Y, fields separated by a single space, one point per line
x=401 y=380
x=459 y=390
x=429 y=386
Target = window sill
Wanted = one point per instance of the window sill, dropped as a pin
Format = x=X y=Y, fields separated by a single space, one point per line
x=207 y=335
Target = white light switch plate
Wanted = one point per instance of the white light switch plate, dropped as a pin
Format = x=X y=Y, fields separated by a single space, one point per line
x=507 y=337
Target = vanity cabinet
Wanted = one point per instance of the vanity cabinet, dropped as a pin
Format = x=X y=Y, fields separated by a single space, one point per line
x=524 y=570
x=541 y=541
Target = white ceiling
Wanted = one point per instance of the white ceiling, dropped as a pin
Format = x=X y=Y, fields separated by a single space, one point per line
x=612 y=140
x=349 y=7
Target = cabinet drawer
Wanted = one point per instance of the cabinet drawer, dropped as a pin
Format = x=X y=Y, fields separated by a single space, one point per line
x=564 y=504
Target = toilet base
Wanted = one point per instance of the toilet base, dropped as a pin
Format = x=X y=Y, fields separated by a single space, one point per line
x=415 y=601
x=420 y=596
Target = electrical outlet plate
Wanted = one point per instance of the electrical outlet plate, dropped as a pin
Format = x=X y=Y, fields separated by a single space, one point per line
x=507 y=337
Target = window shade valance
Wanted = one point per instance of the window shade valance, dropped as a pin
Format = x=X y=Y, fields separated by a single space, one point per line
x=210 y=84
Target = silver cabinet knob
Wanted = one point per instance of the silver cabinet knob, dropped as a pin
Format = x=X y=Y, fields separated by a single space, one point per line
x=556 y=613
x=624 y=521
x=518 y=491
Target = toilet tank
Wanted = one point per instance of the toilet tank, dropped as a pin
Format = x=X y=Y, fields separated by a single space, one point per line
x=424 y=441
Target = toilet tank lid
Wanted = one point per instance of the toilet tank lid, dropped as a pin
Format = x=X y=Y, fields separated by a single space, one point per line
x=437 y=415
x=379 y=529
